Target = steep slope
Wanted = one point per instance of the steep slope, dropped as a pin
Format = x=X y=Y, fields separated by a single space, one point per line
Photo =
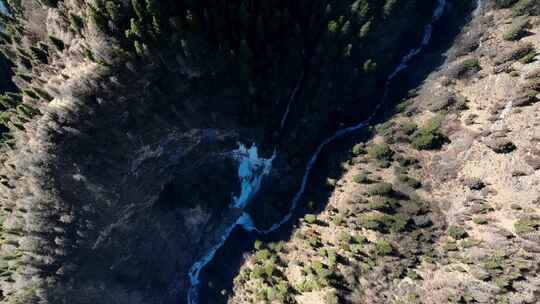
x=130 y=111
x=441 y=203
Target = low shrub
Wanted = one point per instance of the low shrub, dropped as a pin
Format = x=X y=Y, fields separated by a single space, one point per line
x=407 y=161
x=313 y=241
x=430 y=136
x=309 y=284
x=277 y=247
x=331 y=297
x=338 y=220
x=468 y=243
x=359 y=239
x=384 y=128
x=257 y=273
x=527 y=7
x=380 y=152
x=386 y=204
x=516 y=53
x=517 y=30
x=383 y=247
x=361 y=178
x=504 y=3
x=532 y=88
x=409 y=181
x=471 y=63
x=356 y=248
x=263 y=255
x=529 y=57
x=409 y=127
x=450 y=246
x=310 y=218
x=399 y=133
x=269 y=269
x=373 y=222
x=382 y=189
x=320 y=270
x=481 y=208
x=527 y=225
x=457 y=232
x=384 y=222
x=463 y=69
x=480 y=220
x=443 y=102
x=399 y=223
x=404 y=106
x=413 y=297
x=359 y=149
x=413 y=207
x=413 y=275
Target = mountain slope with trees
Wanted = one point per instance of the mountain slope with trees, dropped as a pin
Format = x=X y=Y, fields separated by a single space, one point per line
x=125 y=112
x=439 y=203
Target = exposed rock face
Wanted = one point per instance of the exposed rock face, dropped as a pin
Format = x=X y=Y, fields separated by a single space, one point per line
x=128 y=111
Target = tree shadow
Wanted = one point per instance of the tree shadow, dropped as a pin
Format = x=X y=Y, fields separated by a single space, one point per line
x=6 y=84
x=217 y=279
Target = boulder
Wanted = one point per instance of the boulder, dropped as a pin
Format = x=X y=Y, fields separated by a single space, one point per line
x=474 y=184
x=501 y=145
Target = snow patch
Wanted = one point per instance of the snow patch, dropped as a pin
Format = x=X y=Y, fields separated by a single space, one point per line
x=251 y=170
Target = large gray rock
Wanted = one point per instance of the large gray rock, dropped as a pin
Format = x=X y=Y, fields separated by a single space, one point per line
x=501 y=145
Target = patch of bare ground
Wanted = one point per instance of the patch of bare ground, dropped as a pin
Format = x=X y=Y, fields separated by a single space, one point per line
x=441 y=206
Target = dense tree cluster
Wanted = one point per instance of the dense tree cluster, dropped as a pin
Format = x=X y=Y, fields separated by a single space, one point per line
x=257 y=42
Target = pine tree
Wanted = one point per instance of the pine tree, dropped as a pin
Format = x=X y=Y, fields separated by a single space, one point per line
x=156 y=25
x=139 y=50
x=113 y=10
x=333 y=26
x=135 y=29
x=364 y=30
x=346 y=28
x=244 y=16
x=98 y=19
x=389 y=7
x=138 y=9
x=245 y=52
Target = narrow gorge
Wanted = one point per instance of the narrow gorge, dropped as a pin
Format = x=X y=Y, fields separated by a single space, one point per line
x=221 y=151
